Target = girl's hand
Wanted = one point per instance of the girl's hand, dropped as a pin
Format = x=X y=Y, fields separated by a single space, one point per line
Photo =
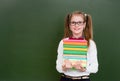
x=66 y=65
x=77 y=65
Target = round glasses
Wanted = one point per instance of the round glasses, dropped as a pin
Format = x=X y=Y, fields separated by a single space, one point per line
x=79 y=23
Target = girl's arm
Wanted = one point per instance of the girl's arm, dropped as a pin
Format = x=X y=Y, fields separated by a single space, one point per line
x=92 y=66
x=59 y=60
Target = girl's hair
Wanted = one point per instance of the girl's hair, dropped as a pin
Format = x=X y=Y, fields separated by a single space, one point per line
x=87 y=32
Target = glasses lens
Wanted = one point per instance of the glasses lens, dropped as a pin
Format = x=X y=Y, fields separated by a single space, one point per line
x=73 y=23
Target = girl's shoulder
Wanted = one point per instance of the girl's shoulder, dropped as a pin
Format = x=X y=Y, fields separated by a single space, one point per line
x=61 y=41
x=92 y=42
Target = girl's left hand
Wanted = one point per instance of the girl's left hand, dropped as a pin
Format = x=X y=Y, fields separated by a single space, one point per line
x=77 y=65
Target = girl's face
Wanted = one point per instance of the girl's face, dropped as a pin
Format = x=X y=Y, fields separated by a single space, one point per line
x=77 y=24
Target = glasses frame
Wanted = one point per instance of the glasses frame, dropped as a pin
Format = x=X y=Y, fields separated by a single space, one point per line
x=79 y=23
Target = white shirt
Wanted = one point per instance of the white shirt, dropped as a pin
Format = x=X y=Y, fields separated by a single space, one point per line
x=92 y=62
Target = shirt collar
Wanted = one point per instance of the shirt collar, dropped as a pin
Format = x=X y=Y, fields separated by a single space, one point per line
x=80 y=38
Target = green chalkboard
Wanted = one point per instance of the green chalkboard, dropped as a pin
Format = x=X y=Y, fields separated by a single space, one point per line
x=30 y=31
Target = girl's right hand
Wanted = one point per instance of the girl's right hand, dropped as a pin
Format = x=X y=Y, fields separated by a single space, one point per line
x=77 y=65
x=66 y=65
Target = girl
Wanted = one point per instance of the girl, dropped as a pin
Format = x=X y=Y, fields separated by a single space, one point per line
x=77 y=53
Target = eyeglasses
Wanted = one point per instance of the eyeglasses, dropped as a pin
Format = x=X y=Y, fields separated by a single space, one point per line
x=73 y=23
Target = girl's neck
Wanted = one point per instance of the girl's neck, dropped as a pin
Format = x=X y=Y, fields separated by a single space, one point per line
x=77 y=35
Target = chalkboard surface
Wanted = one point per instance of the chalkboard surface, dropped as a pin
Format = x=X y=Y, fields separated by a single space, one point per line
x=30 y=31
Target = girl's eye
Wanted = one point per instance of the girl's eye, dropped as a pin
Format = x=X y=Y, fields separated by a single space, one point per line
x=78 y=23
